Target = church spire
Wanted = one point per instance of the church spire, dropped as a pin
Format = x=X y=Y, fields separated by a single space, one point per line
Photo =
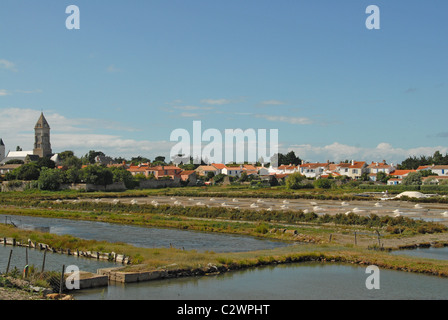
x=42 y=122
x=42 y=145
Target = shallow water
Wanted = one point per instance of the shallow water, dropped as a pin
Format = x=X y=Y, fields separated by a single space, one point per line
x=430 y=253
x=53 y=261
x=145 y=237
x=304 y=281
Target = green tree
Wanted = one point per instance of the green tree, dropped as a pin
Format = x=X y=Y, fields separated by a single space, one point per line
x=382 y=177
x=97 y=175
x=120 y=174
x=27 y=172
x=72 y=175
x=413 y=178
x=89 y=158
x=323 y=183
x=219 y=178
x=295 y=181
x=50 y=179
x=69 y=160
x=45 y=162
x=210 y=175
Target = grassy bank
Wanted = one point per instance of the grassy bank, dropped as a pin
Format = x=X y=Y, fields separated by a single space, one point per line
x=176 y=259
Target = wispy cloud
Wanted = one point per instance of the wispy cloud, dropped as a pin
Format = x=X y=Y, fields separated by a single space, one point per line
x=79 y=135
x=112 y=69
x=291 y=120
x=7 y=65
x=189 y=115
x=29 y=91
x=272 y=102
x=339 y=152
x=3 y=93
x=192 y=108
x=216 y=101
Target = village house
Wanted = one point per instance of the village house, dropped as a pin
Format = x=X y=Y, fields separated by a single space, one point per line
x=401 y=174
x=232 y=171
x=164 y=171
x=313 y=170
x=8 y=168
x=250 y=170
x=263 y=171
x=353 y=169
x=204 y=170
x=434 y=180
x=440 y=170
x=376 y=167
x=188 y=175
x=219 y=167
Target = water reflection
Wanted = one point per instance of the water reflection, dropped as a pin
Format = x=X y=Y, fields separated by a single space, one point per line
x=284 y=282
x=430 y=253
x=53 y=261
x=147 y=237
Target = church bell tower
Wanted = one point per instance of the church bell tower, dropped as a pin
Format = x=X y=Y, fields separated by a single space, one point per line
x=42 y=146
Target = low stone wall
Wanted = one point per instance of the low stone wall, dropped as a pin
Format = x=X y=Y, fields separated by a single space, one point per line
x=115 y=274
x=90 y=280
x=157 y=184
x=16 y=185
x=112 y=256
x=117 y=186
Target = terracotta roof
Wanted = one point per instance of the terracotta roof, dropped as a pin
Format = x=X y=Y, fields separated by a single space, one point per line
x=218 y=165
x=401 y=172
x=187 y=172
x=207 y=168
x=357 y=164
x=440 y=167
x=314 y=165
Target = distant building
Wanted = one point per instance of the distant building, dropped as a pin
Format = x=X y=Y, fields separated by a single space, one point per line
x=42 y=145
x=2 y=150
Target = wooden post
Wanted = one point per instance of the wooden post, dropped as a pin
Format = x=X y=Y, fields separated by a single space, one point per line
x=26 y=256
x=331 y=235
x=9 y=261
x=43 y=263
x=379 y=242
x=355 y=239
x=62 y=280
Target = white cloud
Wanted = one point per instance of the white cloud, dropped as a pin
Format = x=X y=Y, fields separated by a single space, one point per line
x=272 y=102
x=8 y=65
x=189 y=115
x=216 y=101
x=113 y=145
x=292 y=120
x=3 y=93
x=192 y=108
x=29 y=91
x=69 y=134
x=336 y=152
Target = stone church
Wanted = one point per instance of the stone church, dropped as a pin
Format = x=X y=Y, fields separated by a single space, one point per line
x=42 y=145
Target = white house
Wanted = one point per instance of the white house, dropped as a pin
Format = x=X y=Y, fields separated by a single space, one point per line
x=440 y=170
x=313 y=170
x=232 y=171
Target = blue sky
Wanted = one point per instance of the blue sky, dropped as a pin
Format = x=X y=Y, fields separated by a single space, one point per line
x=137 y=70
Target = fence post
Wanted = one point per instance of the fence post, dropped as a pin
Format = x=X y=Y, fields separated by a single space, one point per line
x=355 y=239
x=62 y=280
x=43 y=263
x=9 y=261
